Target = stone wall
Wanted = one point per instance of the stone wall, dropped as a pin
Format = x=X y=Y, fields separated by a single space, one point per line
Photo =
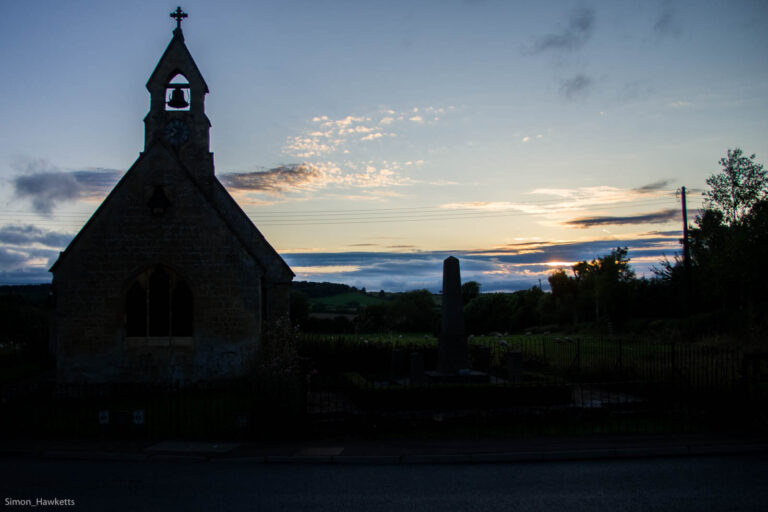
x=125 y=238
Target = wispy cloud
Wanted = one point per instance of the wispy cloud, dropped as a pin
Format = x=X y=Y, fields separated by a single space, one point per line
x=26 y=253
x=299 y=179
x=655 y=186
x=506 y=268
x=667 y=22
x=46 y=186
x=569 y=199
x=572 y=37
x=28 y=235
x=279 y=180
x=576 y=87
x=10 y=258
x=325 y=135
x=659 y=217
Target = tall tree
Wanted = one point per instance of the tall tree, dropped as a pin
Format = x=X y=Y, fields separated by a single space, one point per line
x=728 y=240
x=741 y=183
x=469 y=291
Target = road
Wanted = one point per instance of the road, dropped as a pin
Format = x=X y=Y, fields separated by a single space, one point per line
x=686 y=483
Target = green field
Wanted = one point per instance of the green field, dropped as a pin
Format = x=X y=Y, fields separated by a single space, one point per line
x=585 y=356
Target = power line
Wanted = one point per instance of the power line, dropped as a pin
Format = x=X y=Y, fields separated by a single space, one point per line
x=359 y=216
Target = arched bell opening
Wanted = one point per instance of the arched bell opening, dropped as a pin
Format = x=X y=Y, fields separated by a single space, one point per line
x=177 y=93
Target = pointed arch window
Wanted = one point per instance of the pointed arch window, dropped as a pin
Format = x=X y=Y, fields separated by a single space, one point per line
x=159 y=304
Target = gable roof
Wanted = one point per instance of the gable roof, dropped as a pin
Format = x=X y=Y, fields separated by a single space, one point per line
x=176 y=57
x=221 y=201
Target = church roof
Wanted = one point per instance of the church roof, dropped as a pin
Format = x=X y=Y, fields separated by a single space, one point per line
x=176 y=58
x=223 y=204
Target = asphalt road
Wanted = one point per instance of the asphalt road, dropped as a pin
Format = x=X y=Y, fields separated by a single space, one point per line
x=688 y=483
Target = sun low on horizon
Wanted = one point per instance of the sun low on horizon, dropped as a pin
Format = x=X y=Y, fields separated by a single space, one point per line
x=368 y=141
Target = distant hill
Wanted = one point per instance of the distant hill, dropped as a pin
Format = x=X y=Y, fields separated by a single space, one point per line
x=348 y=300
x=30 y=293
x=317 y=290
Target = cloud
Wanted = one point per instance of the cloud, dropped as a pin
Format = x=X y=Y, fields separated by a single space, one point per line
x=568 y=200
x=506 y=268
x=27 y=235
x=652 y=187
x=572 y=37
x=309 y=177
x=659 y=217
x=36 y=275
x=577 y=86
x=46 y=186
x=326 y=135
x=667 y=22
x=10 y=258
x=277 y=181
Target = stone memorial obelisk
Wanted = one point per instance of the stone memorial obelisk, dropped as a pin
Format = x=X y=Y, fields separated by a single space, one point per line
x=452 y=349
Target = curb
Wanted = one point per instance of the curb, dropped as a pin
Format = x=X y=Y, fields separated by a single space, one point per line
x=408 y=459
x=84 y=455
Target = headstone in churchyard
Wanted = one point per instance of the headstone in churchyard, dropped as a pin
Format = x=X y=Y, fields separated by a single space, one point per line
x=398 y=365
x=452 y=349
x=417 y=368
x=481 y=358
x=515 y=365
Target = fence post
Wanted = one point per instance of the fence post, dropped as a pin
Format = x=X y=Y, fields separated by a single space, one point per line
x=621 y=345
x=578 y=356
x=673 y=361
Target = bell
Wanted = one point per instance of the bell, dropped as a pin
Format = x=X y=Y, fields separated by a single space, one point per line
x=177 y=99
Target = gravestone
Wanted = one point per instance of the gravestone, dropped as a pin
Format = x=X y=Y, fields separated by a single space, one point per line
x=452 y=349
x=398 y=365
x=417 y=368
x=515 y=365
x=481 y=358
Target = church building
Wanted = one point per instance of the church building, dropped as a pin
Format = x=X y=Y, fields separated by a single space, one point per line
x=169 y=281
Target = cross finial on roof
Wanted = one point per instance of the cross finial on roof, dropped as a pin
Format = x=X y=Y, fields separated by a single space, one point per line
x=179 y=15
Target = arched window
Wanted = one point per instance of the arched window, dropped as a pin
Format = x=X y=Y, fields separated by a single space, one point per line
x=159 y=304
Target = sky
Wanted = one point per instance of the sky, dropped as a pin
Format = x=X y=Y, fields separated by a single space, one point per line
x=370 y=140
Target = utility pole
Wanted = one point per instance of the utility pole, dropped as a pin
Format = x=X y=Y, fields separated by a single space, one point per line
x=686 y=253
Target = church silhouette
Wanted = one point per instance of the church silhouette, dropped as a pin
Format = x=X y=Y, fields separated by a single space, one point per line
x=169 y=281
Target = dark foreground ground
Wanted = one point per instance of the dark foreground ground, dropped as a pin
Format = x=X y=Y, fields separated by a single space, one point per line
x=619 y=472
x=714 y=482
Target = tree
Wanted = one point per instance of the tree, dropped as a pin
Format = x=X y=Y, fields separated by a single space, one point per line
x=490 y=312
x=413 y=311
x=735 y=190
x=602 y=285
x=299 y=307
x=565 y=293
x=728 y=244
x=469 y=291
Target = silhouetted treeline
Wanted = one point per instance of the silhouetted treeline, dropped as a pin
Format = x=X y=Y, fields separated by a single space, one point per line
x=723 y=289
x=24 y=315
x=314 y=290
x=727 y=285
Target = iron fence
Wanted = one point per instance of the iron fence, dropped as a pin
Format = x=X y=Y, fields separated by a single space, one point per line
x=538 y=385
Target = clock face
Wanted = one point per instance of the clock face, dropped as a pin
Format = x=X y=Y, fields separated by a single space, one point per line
x=176 y=132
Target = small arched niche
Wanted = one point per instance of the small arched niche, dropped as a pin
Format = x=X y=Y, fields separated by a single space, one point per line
x=177 y=93
x=159 y=304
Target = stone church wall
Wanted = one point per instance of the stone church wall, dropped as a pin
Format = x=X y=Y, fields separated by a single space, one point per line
x=125 y=238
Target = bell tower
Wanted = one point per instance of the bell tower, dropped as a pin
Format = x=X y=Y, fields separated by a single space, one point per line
x=176 y=115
